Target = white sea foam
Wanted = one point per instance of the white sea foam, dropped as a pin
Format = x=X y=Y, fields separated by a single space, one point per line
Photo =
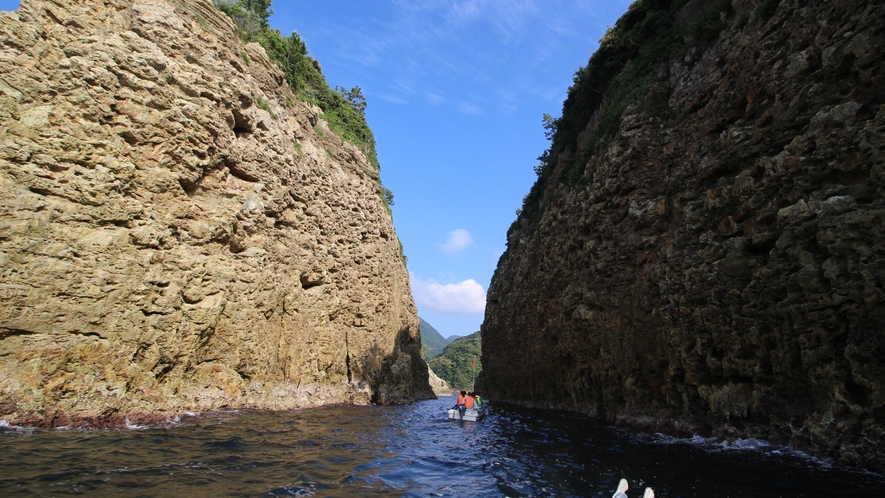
x=744 y=444
x=6 y=426
x=716 y=445
x=133 y=426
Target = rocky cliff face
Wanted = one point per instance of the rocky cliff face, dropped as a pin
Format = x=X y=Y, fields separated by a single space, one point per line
x=718 y=266
x=178 y=232
x=440 y=387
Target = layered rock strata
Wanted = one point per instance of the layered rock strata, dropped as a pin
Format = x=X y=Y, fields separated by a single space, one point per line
x=178 y=232
x=718 y=266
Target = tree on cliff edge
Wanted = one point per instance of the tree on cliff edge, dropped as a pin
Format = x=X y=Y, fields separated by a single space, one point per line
x=251 y=16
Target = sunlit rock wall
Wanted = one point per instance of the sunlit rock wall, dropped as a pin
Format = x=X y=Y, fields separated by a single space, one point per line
x=178 y=232
x=718 y=268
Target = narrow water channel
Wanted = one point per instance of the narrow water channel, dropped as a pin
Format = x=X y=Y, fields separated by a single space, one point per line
x=405 y=451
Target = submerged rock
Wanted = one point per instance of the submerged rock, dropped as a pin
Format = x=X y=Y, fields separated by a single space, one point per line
x=178 y=232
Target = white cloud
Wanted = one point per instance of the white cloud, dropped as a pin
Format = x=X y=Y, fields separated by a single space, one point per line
x=465 y=297
x=458 y=239
x=471 y=109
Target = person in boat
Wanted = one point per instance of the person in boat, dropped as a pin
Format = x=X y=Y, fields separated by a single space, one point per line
x=459 y=405
x=461 y=396
x=465 y=399
x=478 y=400
x=470 y=401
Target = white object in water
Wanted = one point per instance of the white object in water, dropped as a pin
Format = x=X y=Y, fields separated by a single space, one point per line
x=621 y=492
x=470 y=414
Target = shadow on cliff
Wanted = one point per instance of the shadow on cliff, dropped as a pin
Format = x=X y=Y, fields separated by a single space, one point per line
x=402 y=376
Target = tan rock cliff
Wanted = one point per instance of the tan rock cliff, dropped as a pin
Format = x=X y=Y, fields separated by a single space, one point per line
x=439 y=386
x=718 y=266
x=178 y=233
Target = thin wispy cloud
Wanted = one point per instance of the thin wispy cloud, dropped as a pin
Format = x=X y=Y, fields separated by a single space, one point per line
x=510 y=18
x=393 y=99
x=435 y=98
x=458 y=240
x=471 y=109
x=465 y=297
x=465 y=12
x=489 y=47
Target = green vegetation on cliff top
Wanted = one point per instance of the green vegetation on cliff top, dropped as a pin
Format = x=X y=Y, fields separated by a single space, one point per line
x=455 y=364
x=343 y=109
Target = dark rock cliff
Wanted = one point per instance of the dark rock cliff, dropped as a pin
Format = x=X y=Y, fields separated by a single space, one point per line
x=715 y=264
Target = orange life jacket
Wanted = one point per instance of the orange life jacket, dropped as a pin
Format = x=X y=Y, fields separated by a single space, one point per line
x=469 y=402
x=460 y=399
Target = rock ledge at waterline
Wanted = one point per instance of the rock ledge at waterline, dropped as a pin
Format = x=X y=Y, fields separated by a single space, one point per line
x=718 y=266
x=169 y=245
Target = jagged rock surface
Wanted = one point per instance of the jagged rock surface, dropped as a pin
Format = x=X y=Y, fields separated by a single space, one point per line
x=178 y=233
x=439 y=386
x=719 y=267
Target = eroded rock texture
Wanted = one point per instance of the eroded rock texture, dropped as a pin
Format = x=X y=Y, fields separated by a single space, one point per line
x=440 y=387
x=719 y=266
x=177 y=232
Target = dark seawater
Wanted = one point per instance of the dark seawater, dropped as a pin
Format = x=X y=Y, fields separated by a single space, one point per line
x=404 y=451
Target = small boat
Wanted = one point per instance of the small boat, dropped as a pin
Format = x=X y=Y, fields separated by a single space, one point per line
x=470 y=414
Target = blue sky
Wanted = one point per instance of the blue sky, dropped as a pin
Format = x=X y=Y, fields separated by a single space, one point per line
x=456 y=90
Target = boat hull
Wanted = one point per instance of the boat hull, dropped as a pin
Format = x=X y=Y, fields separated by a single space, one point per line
x=470 y=415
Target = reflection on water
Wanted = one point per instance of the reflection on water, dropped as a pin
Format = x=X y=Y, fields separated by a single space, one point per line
x=404 y=451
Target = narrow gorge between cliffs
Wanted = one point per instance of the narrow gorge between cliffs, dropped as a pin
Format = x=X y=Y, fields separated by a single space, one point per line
x=196 y=247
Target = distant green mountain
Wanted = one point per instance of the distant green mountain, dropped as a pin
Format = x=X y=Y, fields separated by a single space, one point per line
x=432 y=342
x=455 y=364
x=452 y=338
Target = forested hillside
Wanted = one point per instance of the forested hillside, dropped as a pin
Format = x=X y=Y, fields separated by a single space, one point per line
x=456 y=363
x=432 y=342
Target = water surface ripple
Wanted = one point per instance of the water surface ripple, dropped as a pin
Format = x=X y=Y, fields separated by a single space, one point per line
x=405 y=451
